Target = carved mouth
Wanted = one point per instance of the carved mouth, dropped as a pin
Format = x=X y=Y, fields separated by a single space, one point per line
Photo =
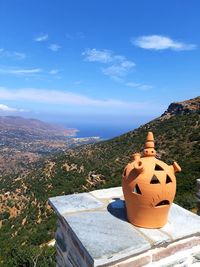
x=163 y=203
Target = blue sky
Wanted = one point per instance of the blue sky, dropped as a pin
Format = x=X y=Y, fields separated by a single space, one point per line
x=113 y=63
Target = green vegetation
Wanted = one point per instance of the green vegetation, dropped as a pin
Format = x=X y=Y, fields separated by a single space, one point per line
x=23 y=237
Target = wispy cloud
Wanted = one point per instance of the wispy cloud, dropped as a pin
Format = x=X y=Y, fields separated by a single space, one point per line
x=117 y=65
x=41 y=38
x=65 y=97
x=78 y=82
x=159 y=42
x=54 y=47
x=11 y=54
x=54 y=71
x=119 y=69
x=20 y=72
x=30 y=72
x=139 y=86
x=5 y=108
x=102 y=56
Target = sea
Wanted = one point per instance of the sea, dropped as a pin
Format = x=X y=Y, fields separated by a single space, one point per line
x=103 y=131
x=106 y=130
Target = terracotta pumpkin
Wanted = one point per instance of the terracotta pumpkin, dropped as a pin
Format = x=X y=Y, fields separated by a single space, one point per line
x=149 y=187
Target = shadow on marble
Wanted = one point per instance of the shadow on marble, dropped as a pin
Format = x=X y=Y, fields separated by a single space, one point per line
x=118 y=209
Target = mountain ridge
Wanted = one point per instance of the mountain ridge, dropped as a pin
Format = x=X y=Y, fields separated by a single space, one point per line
x=34 y=126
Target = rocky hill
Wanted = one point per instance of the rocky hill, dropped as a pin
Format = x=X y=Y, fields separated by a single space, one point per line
x=27 y=222
x=184 y=107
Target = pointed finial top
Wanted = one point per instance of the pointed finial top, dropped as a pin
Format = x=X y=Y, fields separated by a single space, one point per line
x=149 y=150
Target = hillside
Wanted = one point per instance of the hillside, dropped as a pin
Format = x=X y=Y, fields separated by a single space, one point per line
x=24 y=141
x=27 y=222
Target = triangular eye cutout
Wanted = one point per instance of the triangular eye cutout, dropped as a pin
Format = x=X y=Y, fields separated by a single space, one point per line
x=158 y=168
x=136 y=190
x=168 y=179
x=154 y=180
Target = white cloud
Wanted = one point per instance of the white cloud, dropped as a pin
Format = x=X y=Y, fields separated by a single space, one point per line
x=119 y=69
x=54 y=47
x=94 y=55
x=6 y=108
x=20 y=72
x=28 y=72
x=159 y=42
x=11 y=54
x=41 y=38
x=117 y=65
x=65 y=97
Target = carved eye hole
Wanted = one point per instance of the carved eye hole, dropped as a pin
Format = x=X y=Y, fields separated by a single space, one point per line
x=168 y=179
x=154 y=180
x=137 y=190
x=158 y=168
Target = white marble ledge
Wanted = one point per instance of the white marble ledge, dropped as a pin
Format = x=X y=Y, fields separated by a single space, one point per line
x=181 y=222
x=74 y=203
x=109 y=193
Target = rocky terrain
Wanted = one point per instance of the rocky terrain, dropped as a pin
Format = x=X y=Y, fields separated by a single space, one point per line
x=184 y=107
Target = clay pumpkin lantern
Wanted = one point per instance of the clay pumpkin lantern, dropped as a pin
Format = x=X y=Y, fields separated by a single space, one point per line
x=149 y=187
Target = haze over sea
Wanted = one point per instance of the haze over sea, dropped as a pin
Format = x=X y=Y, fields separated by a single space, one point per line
x=104 y=129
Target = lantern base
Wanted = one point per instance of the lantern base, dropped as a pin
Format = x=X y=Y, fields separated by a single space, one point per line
x=148 y=217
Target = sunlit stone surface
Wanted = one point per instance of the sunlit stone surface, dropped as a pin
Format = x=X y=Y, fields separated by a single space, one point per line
x=93 y=230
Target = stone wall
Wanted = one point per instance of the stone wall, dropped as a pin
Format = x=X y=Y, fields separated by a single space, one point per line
x=70 y=251
x=198 y=197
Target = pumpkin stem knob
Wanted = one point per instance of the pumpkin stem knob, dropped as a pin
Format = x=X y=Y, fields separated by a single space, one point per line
x=176 y=167
x=135 y=156
x=149 y=146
